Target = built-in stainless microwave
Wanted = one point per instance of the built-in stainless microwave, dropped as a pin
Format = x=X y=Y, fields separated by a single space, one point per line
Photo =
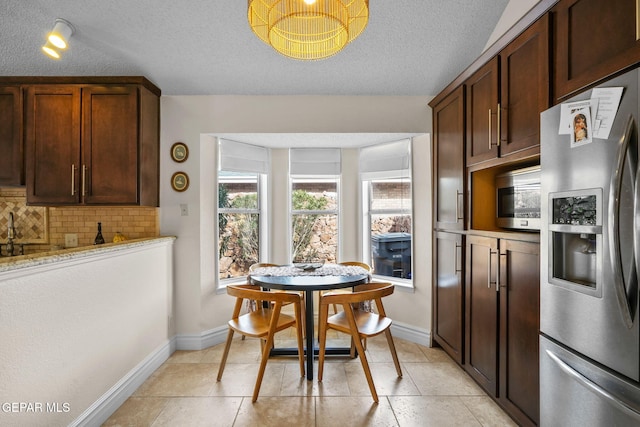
x=518 y=199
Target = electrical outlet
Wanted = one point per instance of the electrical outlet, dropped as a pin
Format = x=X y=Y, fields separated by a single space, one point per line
x=70 y=240
x=184 y=209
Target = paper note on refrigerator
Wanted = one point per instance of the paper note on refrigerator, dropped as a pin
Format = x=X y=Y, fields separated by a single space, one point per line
x=608 y=102
x=569 y=109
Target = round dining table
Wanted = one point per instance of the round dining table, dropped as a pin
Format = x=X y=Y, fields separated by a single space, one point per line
x=309 y=284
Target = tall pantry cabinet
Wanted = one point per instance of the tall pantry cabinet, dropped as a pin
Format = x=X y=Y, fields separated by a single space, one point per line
x=486 y=279
x=449 y=214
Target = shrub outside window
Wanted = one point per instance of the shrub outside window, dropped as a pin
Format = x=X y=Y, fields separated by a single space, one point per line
x=238 y=223
x=314 y=219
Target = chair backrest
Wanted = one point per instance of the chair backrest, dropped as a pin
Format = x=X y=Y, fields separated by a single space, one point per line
x=260 y=265
x=368 y=291
x=357 y=264
x=256 y=293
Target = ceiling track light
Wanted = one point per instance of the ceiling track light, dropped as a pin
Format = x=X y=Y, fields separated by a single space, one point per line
x=58 y=38
x=50 y=50
x=308 y=29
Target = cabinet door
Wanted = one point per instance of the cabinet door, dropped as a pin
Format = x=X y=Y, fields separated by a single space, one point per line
x=11 y=146
x=482 y=114
x=519 y=328
x=481 y=311
x=53 y=144
x=448 y=130
x=110 y=145
x=448 y=293
x=524 y=89
x=593 y=39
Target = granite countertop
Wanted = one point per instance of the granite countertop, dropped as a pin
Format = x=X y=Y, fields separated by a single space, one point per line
x=51 y=257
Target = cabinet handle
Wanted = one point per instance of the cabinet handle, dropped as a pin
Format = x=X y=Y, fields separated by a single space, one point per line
x=498 y=125
x=84 y=175
x=490 y=144
x=456 y=259
x=73 y=180
x=497 y=144
x=458 y=194
x=499 y=269
x=497 y=282
x=637 y=19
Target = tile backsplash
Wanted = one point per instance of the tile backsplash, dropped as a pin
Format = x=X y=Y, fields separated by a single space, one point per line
x=45 y=227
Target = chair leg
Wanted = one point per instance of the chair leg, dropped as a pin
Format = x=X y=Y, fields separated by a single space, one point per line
x=263 y=365
x=365 y=365
x=392 y=347
x=227 y=346
x=322 y=338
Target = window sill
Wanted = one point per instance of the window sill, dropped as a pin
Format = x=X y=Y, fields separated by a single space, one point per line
x=403 y=285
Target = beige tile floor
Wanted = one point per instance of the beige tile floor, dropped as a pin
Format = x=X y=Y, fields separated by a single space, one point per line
x=433 y=391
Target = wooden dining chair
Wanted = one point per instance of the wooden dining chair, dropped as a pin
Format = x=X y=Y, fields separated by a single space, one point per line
x=263 y=323
x=358 y=323
x=254 y=267
x=354 y=264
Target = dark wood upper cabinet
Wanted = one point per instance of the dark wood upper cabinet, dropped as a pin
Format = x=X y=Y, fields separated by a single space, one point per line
x=110 y=145
x=92 y=144
x=506 y=96
x=53 y=144
x=593 y=39
x=524 y=89
x=11 y=136
x=482 y=113
x=448 y=293
x=449 y=165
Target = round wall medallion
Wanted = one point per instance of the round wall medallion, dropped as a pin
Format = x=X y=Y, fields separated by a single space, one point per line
x=180 y=181
x=179 y=152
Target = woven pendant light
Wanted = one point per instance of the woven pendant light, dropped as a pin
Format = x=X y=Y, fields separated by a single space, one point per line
x=308 y=29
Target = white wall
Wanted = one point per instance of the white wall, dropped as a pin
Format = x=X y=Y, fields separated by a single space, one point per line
x=515 y=10
x=192 y=119
x=70 y=331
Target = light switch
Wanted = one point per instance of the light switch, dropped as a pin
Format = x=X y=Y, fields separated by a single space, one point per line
x=184 y=209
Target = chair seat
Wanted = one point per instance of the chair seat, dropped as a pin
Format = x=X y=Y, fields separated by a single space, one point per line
x=369 y=324
x=263 y=323
x=358 y=323
x=256 y=323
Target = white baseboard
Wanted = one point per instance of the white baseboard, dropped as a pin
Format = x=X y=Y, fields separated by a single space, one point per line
x=202 y=340
x=411 y=333
x=218 y=335
x=103 y=408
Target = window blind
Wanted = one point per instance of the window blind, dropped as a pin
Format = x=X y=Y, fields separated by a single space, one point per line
x=388 y=160
x=315 y=161
x=242 y=157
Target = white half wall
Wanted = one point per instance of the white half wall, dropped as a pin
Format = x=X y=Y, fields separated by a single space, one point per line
x=73 y=330
x=193 y=119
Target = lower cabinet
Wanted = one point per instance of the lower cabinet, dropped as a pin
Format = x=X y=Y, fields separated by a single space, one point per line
x=502 y=322
x=481 y=311
x=449 y=293
x=519 y=388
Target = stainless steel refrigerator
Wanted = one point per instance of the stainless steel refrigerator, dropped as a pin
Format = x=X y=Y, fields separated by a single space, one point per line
x=590 y=259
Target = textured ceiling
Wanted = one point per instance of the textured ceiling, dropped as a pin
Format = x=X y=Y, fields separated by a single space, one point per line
x=205 y=47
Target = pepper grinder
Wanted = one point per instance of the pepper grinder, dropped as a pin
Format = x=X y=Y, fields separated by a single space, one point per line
x=99 y=239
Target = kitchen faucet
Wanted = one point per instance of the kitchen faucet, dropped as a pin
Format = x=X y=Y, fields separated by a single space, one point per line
x=11 y=234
